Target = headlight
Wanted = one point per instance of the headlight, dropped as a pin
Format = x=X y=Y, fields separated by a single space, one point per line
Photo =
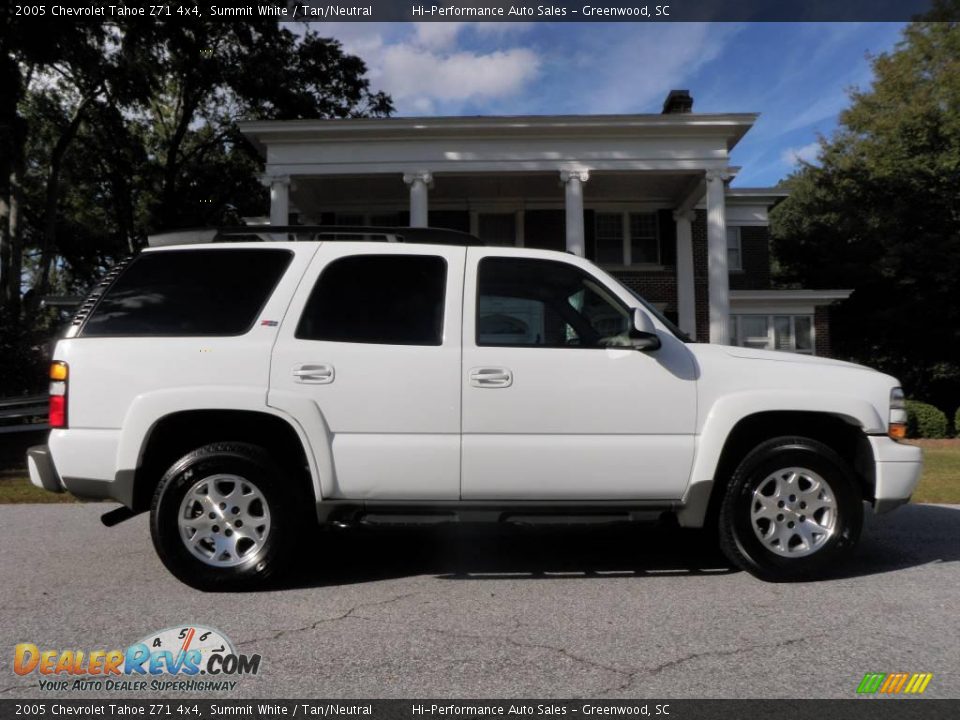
x=897 y=429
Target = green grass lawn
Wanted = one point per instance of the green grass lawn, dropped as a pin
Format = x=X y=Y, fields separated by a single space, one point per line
x=941 y=471
x=940 y=482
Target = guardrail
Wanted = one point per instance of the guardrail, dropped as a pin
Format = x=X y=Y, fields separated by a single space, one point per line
x=24 y=414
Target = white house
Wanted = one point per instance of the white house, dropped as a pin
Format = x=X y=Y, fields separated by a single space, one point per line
x=645 y=196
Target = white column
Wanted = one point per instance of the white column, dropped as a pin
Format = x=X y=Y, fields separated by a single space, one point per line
x=419 y=190
x=686 y=295
x=572 y=181
x=717 y=271
x=279 y=198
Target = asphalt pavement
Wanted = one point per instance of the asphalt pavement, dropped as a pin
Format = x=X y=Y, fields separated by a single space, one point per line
x=503 y=612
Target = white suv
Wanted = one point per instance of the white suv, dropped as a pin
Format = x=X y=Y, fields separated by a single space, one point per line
x=241 y=391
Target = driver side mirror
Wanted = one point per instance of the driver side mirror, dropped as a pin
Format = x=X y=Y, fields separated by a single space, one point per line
x=643 y=335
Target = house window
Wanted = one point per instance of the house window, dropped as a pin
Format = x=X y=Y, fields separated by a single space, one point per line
x=734 y=249
x=626 y=238
x=793 y=333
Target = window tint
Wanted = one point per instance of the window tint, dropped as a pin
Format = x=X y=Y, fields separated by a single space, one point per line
x=189 y=292
x=545 y=303
x=385 y=299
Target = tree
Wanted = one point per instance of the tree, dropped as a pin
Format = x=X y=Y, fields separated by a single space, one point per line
x=880 y=213
x=111 y=132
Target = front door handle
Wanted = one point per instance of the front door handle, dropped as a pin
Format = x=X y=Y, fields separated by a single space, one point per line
x=491 y=377
x=313 y=373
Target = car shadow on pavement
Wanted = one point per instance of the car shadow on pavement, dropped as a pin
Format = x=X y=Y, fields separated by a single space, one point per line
x=912 y=536
x=465 y=552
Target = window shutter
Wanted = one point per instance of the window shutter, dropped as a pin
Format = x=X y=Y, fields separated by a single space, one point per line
x=545 y=229
x=668 y=237
x=589 y=234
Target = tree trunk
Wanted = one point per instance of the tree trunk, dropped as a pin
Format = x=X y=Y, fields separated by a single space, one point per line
x=171 y=167
x=14 y=231
x=4 y=224
x=48 y=244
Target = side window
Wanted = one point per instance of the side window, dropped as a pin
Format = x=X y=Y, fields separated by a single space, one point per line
x=211 y=292
x=382 y=299
x=544 y=303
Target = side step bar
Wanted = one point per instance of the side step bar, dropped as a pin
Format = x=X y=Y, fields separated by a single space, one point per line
x=347 y=513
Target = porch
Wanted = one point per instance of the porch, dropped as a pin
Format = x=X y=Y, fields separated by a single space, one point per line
x=528 y=181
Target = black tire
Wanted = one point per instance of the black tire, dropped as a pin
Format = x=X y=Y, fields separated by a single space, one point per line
x=740 y=543
x=279 y=494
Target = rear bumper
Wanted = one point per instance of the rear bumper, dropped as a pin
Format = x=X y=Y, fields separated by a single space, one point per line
x=898 y=468
x=43 y=474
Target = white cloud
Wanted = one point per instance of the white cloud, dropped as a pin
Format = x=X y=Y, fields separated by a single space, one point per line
x=795 y=155
x=437 y=35
x=411 y=74
x=425 y=68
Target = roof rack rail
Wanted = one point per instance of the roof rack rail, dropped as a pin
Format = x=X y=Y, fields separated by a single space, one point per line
x=293 y=233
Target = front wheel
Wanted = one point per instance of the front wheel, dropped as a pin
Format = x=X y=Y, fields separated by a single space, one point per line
x=791 y=511
x=223 y=517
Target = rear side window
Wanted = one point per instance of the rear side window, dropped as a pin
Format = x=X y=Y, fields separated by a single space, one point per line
x=383 y=299
x=189 y=292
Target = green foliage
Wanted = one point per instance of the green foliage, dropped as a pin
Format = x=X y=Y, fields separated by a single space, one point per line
x=956 y=422
x=925 y=421
x=111 y=133
x=880 y=213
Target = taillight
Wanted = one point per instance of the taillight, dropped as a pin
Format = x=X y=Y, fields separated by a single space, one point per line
x=897 y=428
x=59 y=372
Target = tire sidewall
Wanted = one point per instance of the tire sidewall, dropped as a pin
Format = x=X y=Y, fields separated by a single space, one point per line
x=248 y=463
x=755 y=470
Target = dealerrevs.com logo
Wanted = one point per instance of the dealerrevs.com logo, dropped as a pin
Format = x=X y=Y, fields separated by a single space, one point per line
x=191 y=658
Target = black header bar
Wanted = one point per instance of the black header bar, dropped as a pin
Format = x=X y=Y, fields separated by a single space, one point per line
x=319 y=11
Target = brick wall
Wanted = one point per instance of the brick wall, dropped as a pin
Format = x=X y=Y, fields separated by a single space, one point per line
x=658 y=286
x=700 y=286
x=821 y=329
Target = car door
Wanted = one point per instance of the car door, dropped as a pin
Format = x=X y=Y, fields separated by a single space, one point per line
x=551 y=408
x=368 y=360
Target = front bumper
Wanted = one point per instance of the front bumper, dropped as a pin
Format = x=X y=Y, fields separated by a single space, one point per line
x=43 y=474
x=898 y=468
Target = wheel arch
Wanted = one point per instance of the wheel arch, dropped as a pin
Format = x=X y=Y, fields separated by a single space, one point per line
x=174 y=434
x=716 y=461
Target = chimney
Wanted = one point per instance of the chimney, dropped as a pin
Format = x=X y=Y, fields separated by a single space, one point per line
x=678 y=101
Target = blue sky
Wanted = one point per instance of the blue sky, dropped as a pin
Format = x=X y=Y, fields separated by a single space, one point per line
x=796 y=75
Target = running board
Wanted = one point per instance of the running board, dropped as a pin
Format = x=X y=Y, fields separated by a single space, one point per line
x=346 y=513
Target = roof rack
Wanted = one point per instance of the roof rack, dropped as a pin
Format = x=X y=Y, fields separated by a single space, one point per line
x=303 y=233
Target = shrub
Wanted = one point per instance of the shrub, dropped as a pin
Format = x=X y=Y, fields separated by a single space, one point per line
x=956 y=422
x=925 y=421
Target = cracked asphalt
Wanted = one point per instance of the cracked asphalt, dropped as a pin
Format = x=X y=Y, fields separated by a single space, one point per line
x=572 y=612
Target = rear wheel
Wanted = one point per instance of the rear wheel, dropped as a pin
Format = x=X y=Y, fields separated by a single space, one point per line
x=224 y=516
x=792 y=510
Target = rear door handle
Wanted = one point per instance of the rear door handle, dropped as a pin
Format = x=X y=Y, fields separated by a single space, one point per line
x=313 y=373
x=491 y=377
